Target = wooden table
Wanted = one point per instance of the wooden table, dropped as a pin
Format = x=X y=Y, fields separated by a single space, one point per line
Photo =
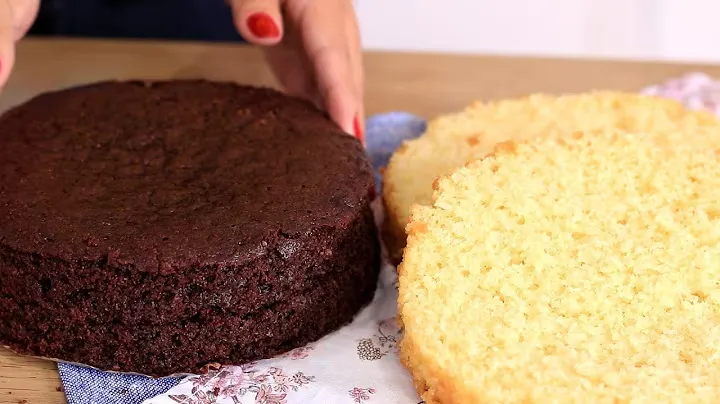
x=423 y=84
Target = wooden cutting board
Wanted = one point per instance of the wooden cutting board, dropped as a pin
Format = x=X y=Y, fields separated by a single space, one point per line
x=28 y=381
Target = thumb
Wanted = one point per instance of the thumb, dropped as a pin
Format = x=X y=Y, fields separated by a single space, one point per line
x=7 y=41
x=258 y=21
x=16 y=17
x=23 y=14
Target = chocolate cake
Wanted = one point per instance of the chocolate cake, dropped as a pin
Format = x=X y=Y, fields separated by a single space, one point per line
x=157 y=227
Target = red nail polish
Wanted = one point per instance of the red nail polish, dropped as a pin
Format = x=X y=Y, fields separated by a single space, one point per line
x=358 y=129
x=262 y=26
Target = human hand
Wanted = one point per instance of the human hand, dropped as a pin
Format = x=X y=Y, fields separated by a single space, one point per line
x=16 y=17
x=313 y=48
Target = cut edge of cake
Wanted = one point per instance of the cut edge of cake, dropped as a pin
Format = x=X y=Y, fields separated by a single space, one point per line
x=428 y=377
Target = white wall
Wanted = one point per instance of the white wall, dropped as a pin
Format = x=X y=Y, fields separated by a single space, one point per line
x=686 y=30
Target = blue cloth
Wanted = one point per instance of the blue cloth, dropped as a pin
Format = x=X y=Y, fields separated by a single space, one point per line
x=89 y=386
x=384 y=133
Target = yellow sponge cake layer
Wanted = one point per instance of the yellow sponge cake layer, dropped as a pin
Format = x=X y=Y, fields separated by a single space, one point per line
x=584 y=269
x=453 y=140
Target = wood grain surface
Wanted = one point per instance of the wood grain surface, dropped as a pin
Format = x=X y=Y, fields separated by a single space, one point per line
x=424 y=84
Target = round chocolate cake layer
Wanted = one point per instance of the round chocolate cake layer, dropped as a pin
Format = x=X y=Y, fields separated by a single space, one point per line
x=156 y=227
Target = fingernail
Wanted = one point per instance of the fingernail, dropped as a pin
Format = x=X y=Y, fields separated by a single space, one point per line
x=262 y=26
x=358 y=129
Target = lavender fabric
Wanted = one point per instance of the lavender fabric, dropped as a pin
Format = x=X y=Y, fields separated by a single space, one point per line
x=82 y=385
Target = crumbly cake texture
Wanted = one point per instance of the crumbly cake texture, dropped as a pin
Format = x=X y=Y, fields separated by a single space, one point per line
x=156 y=227
x=455 y=139
x=585 y=269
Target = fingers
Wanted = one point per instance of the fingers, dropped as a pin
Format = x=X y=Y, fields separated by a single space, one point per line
x=358 y=71
x=24 y=13
x=7 y=41
x=322 y=25
x=258 y=21
x=334 y=80
x=16 y=17
x=319 y=57
x=287 y=66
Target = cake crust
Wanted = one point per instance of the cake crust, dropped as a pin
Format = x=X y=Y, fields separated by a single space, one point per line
x=155 y=227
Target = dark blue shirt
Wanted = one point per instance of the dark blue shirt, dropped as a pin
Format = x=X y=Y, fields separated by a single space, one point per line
x=202 y=20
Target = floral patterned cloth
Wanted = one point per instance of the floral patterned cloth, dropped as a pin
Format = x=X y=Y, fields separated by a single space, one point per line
x=358 y=363
x=694 y=90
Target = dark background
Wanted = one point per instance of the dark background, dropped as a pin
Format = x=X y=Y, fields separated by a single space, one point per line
x=201 y=20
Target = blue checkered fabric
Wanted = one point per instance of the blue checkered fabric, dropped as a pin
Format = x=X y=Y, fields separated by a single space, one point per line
x=89 y=386
x=384 y=134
